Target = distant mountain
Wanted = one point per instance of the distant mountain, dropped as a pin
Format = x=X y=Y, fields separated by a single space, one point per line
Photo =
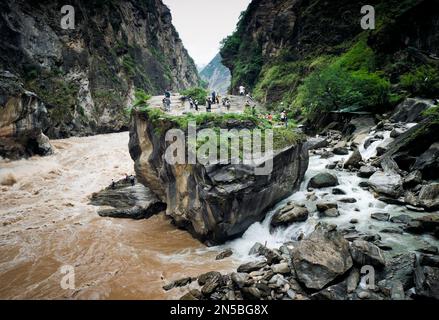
x=217 y=75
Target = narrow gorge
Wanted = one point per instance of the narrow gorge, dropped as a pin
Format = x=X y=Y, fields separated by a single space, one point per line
x=112 y=152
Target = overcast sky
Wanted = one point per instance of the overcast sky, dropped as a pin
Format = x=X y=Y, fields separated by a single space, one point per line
x=202 y=24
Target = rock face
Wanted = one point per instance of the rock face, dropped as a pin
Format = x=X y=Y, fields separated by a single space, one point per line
x=87 y=76
x=23 y=117
x=214 y=202
x=217 y=75
x=325 y=251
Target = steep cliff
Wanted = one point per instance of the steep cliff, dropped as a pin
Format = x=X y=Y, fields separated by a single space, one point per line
x=86 y=76
x=217 y=75
x=314 y=56
x=215 y=202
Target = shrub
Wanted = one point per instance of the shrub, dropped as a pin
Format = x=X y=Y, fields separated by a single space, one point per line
x=196 y=93
x=423 y=81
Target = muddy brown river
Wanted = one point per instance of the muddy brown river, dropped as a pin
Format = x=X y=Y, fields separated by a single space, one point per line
x=46 y=223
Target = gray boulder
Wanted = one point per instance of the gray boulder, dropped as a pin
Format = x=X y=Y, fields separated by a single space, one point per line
x=386 y=183
x=427 y=282
x=321 y=258
x=429 y=196
x=354 y=160
x=366 y=171
x=289 y=214
x=366 y=253
x=323 y=180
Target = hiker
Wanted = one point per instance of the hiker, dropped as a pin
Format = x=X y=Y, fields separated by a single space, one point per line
x=241 y=90
x=217 y=99
x=167 y=104
x=113 y=184
x=191 y=103
x=228 y=104
x=284 y=118
x=196 y=104
x=132 y=180
x=168 y=94
x=209 y=104
x=213 y=97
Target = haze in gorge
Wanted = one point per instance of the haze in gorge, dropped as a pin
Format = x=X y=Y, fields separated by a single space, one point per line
x=98 y=202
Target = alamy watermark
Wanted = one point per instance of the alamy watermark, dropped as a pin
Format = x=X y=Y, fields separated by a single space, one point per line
x=68 y=18
x=68 y=280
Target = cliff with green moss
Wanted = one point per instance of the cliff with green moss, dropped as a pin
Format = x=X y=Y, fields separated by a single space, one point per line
x=86 y=76
x=314 y=57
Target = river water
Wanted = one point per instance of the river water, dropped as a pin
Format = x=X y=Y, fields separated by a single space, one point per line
x=46 y=223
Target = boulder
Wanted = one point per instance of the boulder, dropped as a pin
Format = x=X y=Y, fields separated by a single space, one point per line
x=427 y=282
x=260 y=250
x=428 y=162
x=429 y=196
x=396 y=132
x=239 y=279
x=323 y=180
x=400 y=268
x=321 y=258
x=317 y=143
x=211 y=284
x=354 y=160
x=386 y=183
x=340 y=151
x=403 y=218
x=192 y=295
x=288 y=215
x=252 y=266
x=225 y=254
x=429 y=260
x=380 y=216
x=353 y=280
x=366 y=171
x=281 y=268
x=412 y=179
x=204 y=278
x=366 y=253
x=215 y=202
x=411 y=110
x=384 y=146
x=338 y=191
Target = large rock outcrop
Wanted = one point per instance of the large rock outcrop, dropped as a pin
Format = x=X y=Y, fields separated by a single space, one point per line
x=214 y=202
x=86 y=76
x=23 y=117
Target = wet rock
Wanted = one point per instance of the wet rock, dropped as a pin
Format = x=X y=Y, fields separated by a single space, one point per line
x=334 y=292
x=400 y=268
x=330 y=213
x=429 y=260
x=403 y=218
x=321 y=258
x=348 y=200
x=428 y=249
x=366 y=171
x=225 y=254
x=427 y=282
x=397 y=291
x=384 y=146
x=388 y=184
x=415 y=209
x=353 y=221
x=323 y=206
x=204 y=278
x=281 y=268
x=429 y=196
x=317 y=143
x=369 y=142
x=353 y=280
x=428 y=162
x=251 y=293
x=331 y=166
x=340 y=151
x=260 y=250
x=323 y=180
x=354 y=160
x=396 y=132
x=338 y=191
x=366 y=253
x=211 y=284
x=411 y=110
x=428 y=223
x=177 y=283
x=380 y=216
x=363 y=295
x=412 y=179
x=239 y=279
x=192 y=295
x=364 y=184
x=327 y=155
x=289 y=214
x=392 y=230
x=252 y=266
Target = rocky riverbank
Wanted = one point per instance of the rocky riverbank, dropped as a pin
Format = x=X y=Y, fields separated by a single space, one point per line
x=359 y=209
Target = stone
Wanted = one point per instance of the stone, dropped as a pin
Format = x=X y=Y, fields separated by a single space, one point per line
x=428 y=249
x=354 y=160
x=251 y=293
x=192 y=295
x=366 y=253
x=321 y=258
x=340 y=151
x=369 y=142
x=281 y=268
x=411 y=110
x=270 y=255
x=353 y=221
x=380 y=216
x=204 y=278
x=396 y=132
x=388 y=184
x=428 y=162
x=397 y=291
x=289 y=215
x=348 y=200
x=429 y=196
x=239 y=279
x=384 y=146
x=338 y=191
x=317 y=143
x=427 y=282
x=331 y=166
x=211 y=284
x=225 y=254
x=335 y=292
x=330 y=213
x=412 y=179
x=353 y=280
x=400 y=268
x=252 y=266
x=327 y=155
x=429 y=260
x=366 y=171
x=403 y=218
x=323 y=180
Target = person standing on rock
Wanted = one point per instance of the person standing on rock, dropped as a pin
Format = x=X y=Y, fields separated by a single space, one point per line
x=213 y=97
x=284 y=118
x=241 y=90
x=132 y=180
x=191 y=103
x=209 y=104
x=196 y=104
